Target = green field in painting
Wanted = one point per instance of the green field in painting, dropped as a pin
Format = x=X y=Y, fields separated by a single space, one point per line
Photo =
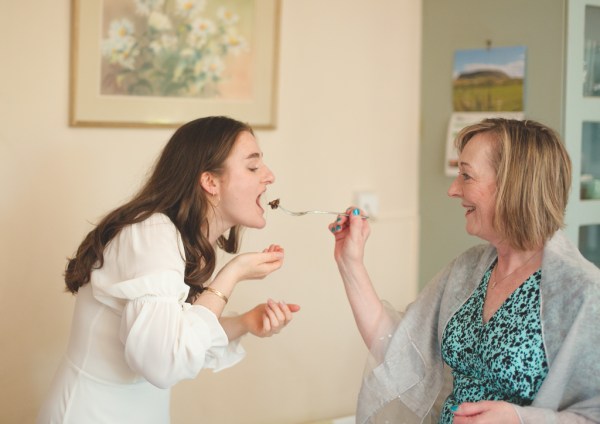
x=504 y=97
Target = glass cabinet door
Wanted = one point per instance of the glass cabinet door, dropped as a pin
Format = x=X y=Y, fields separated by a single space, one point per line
x=582 y=125
x=589 y=243
x=591 y=64
x=590 y=161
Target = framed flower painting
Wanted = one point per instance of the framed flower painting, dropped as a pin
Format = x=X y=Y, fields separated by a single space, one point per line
x=161 y=63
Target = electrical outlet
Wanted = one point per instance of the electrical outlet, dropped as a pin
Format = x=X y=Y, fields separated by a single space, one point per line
x=368 y=201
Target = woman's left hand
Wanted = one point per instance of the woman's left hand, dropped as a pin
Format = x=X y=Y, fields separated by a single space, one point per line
x=251 y=265
x=486 y=412
x=269 y=318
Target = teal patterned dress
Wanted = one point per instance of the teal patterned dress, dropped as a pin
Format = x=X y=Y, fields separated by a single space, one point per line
x=503 y=359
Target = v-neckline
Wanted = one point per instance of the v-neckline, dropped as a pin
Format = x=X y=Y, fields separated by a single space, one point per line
x=503 y=304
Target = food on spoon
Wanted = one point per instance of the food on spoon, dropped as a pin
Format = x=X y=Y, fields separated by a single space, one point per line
x=274 y=204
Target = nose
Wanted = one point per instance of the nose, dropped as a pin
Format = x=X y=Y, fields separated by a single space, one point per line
x=269 y=176
x=454 y=189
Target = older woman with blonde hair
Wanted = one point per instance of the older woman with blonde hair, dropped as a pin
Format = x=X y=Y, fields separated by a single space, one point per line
x=514 y=320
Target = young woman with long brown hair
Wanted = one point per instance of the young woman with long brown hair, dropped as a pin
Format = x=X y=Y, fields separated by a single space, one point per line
x=148 y=310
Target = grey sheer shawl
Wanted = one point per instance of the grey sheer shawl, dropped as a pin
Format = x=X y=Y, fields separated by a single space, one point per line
x=405 y=378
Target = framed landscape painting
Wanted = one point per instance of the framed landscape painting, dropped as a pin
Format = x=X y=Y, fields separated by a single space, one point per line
x=161 y=63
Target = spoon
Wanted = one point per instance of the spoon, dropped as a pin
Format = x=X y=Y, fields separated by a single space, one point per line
x=276 y=204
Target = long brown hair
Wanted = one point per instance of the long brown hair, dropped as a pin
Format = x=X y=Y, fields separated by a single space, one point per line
x=533 y=178
x=173 y=189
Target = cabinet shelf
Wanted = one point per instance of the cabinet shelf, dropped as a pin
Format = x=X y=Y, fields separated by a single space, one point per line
x=591 y=108
x=588 y=212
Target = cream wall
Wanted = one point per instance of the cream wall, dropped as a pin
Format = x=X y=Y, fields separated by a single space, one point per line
x=348 y=102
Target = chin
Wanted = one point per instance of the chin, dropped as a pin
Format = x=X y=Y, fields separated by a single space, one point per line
x=258 y=224
x=261 y=226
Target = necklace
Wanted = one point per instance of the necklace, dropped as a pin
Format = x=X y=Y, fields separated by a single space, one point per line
x=496 y=281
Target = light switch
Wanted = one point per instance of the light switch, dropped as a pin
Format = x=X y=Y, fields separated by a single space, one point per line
x=368 y=201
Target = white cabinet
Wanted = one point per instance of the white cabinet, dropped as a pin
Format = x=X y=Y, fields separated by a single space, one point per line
x=582 y=125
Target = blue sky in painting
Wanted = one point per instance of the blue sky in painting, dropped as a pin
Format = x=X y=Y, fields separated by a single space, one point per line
x=510 y=60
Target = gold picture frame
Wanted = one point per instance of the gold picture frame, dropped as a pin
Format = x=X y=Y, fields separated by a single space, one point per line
x=180 y=65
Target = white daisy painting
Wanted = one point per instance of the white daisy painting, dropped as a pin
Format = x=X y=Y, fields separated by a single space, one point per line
x=161 y=63
x=177 y=48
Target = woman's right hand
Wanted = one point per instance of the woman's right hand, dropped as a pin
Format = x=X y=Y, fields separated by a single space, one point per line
x=255 y=265
x=351 y=234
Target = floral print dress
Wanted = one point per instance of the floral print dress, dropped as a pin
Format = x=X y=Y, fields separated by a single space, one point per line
x=503 y=359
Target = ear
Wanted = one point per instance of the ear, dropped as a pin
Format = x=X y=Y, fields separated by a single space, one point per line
x=209 y=183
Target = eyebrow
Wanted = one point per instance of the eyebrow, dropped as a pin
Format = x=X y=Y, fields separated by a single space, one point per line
x=464 y=164
x=254 y=155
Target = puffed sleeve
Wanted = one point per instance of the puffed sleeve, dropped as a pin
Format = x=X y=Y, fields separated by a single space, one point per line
x=166 y=340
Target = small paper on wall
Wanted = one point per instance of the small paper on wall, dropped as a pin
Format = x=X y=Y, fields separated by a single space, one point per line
x=458 y=121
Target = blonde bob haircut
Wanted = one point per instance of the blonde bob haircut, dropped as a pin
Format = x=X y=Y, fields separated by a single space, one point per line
x=533 y=178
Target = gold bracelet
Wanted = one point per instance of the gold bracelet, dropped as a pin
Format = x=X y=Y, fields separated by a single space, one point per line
x=217 y=293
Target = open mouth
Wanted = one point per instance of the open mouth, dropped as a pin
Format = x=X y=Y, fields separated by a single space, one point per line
x=259 y=201
x=470 y=209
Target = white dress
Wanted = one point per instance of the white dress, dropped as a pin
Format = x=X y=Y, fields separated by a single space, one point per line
x=133 y=336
